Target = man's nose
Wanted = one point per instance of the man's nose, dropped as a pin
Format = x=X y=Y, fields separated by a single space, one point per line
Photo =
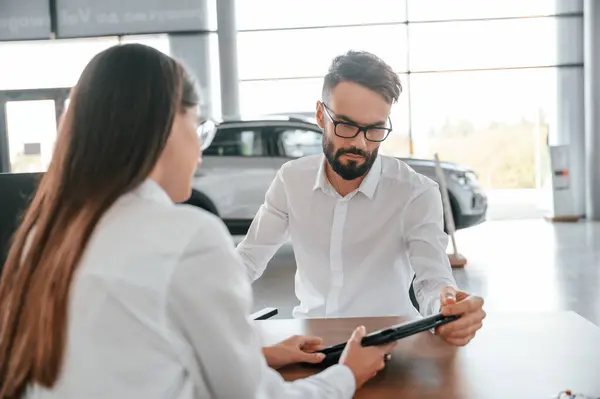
x=359 y=141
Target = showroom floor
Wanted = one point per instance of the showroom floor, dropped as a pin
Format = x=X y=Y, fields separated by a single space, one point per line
x=517 y=265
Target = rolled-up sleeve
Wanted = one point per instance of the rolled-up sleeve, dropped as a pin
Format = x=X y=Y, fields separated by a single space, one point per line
x=423 y=230
x=209 y=302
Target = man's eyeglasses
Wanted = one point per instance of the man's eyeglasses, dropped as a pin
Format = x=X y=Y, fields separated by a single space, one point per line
x=206 y=133
x=349 y=130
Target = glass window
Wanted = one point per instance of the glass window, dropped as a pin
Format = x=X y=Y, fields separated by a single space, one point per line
x=47 y=63
x=432 y=10
x=273 y=14
x=280 y=96
x=232 y=142
x=300 y=142
x=494 y=44
x=211 y=16
x=495 y=122
x=309 y=52
x=31 y=128
x=398 y=142
x=58 y=63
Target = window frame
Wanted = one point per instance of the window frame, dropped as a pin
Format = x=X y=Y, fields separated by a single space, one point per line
x=258 y=130
x=282 y=65
x=532 y=110
x=274 y=137
x=510 y=59
x=414 y=15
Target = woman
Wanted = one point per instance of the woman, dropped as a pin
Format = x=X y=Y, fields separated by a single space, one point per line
x=112 y=291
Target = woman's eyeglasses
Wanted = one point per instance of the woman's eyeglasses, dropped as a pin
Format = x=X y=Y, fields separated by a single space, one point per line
x=206 y=133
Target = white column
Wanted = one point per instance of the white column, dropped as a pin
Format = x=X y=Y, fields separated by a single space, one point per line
x=193 y=50
x=228 y=60
x=592 y=107
x=569 y=129
x=567 y=125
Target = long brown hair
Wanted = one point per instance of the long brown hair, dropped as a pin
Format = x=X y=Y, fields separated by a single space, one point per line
x=117 y=123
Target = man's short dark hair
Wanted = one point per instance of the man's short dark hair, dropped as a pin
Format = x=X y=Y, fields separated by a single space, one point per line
x=365 y=69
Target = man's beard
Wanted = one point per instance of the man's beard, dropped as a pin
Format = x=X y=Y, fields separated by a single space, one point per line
x=351 y=170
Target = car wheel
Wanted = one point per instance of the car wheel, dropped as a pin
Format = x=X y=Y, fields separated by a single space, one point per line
x=200 y=200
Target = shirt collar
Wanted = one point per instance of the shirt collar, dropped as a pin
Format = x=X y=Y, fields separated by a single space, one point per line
x=371 y=181
x=321 y=180
x=152 y=190
x=367 y=187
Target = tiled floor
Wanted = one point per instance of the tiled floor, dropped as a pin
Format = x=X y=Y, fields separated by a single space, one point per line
x=517 y=265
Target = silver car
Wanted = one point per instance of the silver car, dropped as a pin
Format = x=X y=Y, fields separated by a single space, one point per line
x=244 y=156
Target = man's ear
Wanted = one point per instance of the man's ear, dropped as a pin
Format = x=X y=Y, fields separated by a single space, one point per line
x=320 y=116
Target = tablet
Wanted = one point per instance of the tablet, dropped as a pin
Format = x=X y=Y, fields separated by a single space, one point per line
x=385 y=336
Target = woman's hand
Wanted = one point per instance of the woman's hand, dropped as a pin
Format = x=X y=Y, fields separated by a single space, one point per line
x=296 y=349
x=364 y=361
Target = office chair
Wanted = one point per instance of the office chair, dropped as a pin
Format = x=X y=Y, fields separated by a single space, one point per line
x=412 y=296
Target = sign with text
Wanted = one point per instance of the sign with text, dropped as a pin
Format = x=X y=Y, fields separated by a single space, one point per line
x=83 y=18
x=24 y=19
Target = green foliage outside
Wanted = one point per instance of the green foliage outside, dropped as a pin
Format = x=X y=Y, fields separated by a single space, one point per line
x=502 y=154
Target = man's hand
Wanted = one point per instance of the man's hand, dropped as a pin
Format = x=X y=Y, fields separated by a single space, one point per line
x=469 y=307
x=296 y=349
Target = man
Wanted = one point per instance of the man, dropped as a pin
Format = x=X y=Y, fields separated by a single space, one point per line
x=362 y=224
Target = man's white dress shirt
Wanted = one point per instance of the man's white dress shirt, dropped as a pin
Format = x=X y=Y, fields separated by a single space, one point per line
x=356 y=255
x=159 y=308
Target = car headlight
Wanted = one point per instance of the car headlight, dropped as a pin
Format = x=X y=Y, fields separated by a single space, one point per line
x=465 y=178
x=472 y=179
x=459 y=177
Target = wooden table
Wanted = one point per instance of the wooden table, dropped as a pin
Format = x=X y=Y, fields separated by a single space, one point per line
x=519 y=355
